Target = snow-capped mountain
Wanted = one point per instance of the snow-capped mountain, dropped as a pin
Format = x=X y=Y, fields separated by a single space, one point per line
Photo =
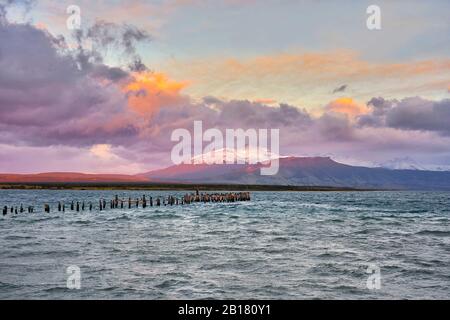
x=405 y=163
x=241 y=156
x=293 y=171
x=304 y=171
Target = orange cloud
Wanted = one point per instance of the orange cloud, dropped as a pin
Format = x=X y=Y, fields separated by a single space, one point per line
x=347 y=106
x=150 y=91
x=305 y=77
x=341 y=63
x=329 y=65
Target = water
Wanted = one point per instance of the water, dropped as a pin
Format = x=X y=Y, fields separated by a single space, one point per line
x=281 y=245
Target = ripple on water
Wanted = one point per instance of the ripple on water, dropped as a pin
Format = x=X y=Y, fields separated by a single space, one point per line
x=437 y=233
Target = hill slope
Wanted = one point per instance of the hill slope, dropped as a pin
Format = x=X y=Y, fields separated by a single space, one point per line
x=294 y=171
x=317 y=171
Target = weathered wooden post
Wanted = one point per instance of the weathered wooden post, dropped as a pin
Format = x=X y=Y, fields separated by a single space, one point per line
x=137 y=203
x=21 y=208
x=64 y=207
x=78 y=206
x=151 y=201
x=90 y=206
x=71 y=206
x=5 y=210
x=121 y=204
x=100 y=205
x=129 y=202
x=158 y=202
x=59 y=206
x=82 y=206
x=144 y=202
x=47 y=208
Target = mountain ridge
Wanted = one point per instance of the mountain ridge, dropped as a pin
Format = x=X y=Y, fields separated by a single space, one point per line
x=293 y=171
x=305 y=171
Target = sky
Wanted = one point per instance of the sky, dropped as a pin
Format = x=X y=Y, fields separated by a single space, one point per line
x=105 y=98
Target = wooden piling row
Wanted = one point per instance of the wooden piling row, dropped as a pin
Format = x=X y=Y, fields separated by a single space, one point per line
x=20 y=209
x=116 y=202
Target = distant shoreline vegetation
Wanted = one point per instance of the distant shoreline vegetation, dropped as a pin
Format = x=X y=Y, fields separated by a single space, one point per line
x=171 y=186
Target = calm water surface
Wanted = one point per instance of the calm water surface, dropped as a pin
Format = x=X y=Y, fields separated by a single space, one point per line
x=283 y=245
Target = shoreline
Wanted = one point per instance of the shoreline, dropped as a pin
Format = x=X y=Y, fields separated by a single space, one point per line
x=170 y=187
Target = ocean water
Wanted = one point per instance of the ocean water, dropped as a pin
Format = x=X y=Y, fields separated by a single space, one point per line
x=280 y=245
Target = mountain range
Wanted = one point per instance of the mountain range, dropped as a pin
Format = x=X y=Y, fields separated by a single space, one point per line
x=293 y=171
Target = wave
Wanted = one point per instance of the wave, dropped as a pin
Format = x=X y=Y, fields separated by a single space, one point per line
x=440 y=233
x=18 y=237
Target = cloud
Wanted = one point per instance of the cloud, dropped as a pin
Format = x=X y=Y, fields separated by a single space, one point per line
x=413 y=113
x=265 y=101
x=79 y=114
x=106 y=38
x=332 y=65
x=102 y=151
x=45 y=98
x=5 y=5
x=300 y=78
x=107 y=35
x=347 y=106
x=340 y=88
x=59 y=158
x=150 y=91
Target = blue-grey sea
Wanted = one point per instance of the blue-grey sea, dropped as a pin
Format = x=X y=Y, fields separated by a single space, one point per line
x=279 y=245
